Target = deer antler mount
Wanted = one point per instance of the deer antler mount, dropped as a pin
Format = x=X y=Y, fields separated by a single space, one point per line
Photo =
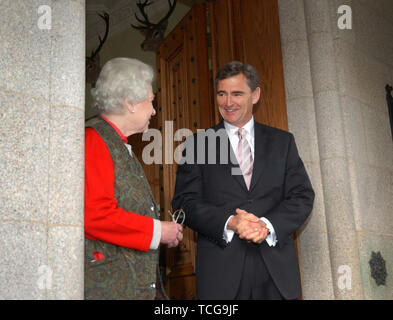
x=153 y=32
x=93 y=66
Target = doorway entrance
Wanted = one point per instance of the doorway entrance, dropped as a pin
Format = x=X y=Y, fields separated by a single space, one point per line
x=211 y=34
x=208 y=37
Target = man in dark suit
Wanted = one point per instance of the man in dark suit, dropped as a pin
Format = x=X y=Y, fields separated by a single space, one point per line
x=246 y=204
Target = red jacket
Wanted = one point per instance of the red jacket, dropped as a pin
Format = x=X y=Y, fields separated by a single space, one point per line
x=104 y=219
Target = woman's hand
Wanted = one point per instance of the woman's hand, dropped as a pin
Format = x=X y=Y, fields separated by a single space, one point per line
x=171 y=233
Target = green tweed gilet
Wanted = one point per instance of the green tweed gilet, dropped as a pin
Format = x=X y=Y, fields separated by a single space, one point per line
x=124 y=273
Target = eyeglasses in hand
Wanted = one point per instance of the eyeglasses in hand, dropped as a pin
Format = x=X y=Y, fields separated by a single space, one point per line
x=179 y=216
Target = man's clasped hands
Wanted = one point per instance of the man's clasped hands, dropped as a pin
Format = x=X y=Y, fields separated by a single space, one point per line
x=248 y=226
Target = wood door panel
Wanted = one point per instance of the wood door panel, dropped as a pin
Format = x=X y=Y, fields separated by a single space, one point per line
x=254 y=34
x=184 y=99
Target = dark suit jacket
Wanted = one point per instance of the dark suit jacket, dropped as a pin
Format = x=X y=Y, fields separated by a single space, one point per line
x=280 y=191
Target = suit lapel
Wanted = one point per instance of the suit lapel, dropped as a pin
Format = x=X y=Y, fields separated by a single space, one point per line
x=260 y=145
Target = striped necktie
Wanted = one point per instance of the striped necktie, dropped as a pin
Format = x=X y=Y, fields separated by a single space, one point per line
x=244 y=157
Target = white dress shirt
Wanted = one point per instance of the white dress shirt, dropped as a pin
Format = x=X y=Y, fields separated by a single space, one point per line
x=231 y=130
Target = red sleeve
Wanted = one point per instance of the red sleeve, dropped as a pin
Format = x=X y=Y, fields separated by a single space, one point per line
x=104 y=219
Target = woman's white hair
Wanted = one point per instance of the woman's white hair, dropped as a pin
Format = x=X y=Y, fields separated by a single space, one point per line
x=121 y=78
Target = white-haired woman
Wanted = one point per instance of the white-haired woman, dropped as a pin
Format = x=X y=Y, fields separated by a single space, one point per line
x=122 y=226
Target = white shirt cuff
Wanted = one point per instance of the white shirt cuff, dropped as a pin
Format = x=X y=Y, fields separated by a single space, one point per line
x=271 y=238
x=228 y=234
x=155 y=241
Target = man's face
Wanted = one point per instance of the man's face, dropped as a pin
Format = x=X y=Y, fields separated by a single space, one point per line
x=235 y=99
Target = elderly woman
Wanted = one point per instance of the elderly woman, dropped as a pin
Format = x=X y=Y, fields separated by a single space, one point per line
x=122 y=226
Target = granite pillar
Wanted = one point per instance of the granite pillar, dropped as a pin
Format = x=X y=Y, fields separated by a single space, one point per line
x=42 y=57
x=314 y=247
x=336 y=106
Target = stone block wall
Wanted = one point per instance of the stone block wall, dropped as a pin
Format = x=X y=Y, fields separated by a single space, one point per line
x=42 y=58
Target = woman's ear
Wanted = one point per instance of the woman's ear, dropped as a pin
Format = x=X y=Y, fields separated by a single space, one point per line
x=128 y=105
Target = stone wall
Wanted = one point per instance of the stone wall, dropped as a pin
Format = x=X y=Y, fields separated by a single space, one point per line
x=337 y=110
x=42 y=57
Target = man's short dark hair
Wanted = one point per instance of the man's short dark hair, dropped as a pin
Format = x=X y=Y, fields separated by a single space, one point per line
x=236 y=67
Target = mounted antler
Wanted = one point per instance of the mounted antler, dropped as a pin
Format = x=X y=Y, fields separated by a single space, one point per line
x=93 y=67
x=154 y=32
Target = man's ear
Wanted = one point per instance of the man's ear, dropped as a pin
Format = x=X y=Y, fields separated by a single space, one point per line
x=256 y=94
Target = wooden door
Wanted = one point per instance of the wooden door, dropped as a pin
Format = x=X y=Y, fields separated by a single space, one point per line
x=249 y=31
x=184 y=101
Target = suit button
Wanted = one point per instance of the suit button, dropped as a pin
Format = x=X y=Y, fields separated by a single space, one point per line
x=250 y=201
